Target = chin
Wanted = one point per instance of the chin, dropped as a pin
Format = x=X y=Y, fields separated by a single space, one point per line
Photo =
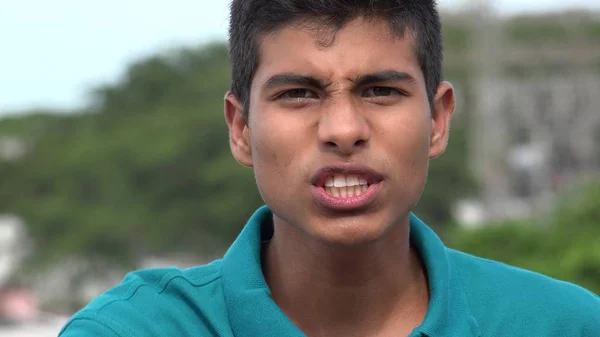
x=348 y=232
x=338 y=229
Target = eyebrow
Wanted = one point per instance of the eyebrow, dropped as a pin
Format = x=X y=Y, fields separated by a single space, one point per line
x=294 y=79
x=384 y=76
x=361 y=80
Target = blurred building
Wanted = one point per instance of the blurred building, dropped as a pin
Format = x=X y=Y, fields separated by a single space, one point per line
x=17 y=304
x=12 y=148
x=11 y=234
x=535 y=120
x=534 y=138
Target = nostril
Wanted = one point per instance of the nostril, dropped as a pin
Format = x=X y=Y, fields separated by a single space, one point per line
x=332 y=145
x=360 y=143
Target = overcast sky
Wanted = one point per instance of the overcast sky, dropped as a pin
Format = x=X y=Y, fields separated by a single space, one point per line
x=53 y=52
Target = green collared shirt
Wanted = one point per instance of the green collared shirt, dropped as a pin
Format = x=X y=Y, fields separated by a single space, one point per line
x=469 y=296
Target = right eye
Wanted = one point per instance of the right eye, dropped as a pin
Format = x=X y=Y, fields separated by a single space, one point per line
x=298 y=94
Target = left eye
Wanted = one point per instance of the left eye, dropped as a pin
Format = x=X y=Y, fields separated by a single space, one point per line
x=381 y=91
x=298 y=94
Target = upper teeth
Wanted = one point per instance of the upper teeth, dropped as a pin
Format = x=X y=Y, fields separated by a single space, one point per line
x=340 y=180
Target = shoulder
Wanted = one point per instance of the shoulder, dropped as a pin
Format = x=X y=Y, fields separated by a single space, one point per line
x=166 y=301
x=500 y=294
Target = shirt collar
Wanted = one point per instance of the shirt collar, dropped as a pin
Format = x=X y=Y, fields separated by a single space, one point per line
x=252 y=312
x=449 y=313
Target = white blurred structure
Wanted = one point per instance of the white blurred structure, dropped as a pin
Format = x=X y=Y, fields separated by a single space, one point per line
x=19 y=307
x=11 y=245
x=534 y=118
x=48 y=327
x=12 y=148
x=469 y=213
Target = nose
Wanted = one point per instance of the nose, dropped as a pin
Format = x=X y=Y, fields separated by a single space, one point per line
x=342 y=128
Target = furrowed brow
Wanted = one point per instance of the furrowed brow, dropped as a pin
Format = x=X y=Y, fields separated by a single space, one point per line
x=291 y=79
x=383 y=77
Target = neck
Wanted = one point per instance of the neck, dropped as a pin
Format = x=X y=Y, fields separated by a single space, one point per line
x=345 y=291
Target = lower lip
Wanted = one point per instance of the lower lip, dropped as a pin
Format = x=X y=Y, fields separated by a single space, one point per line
x=326 y=200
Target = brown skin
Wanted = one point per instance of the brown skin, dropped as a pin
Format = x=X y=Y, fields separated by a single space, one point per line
x=364 y=279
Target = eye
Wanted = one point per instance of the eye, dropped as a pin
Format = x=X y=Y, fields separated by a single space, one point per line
x=382 y=92
x=298 y=94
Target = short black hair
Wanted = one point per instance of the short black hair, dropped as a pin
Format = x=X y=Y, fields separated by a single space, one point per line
x=250 y=20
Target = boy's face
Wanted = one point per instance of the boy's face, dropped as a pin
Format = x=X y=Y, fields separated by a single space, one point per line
x=354 y=114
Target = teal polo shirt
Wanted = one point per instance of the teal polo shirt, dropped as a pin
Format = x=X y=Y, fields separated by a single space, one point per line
x=469 y=296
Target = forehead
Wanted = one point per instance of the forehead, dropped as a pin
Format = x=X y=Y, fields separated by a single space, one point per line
x=362 y=46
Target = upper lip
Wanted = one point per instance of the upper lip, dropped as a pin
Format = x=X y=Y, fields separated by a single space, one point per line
x=329 y=171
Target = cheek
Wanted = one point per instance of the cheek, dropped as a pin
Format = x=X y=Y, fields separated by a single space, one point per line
x=407 y=136
x=272 y=154
x=279 y=139
x=407 y=141
x=265 y=155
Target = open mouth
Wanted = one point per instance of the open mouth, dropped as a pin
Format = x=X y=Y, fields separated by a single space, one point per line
x=343 y=186
x=346 y=187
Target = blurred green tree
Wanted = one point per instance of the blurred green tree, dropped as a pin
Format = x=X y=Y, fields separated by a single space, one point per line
x=564 y=245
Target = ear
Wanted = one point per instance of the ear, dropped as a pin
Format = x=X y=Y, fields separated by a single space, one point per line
x=239 y=136
x=443 y=107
